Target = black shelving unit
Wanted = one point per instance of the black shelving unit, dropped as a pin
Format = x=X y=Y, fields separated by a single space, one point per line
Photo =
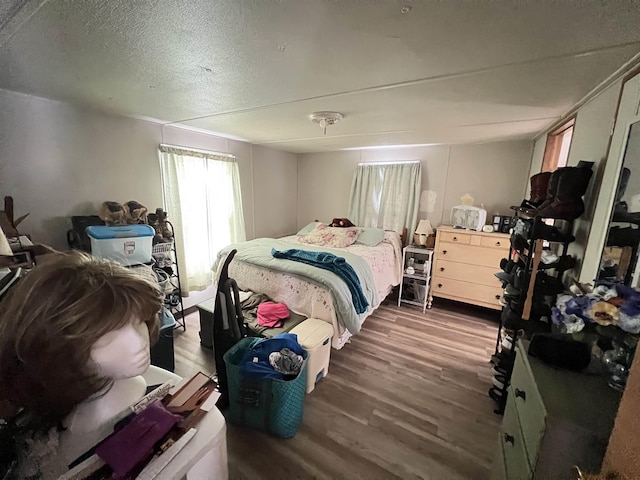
x=166 y=259
x=526 y=251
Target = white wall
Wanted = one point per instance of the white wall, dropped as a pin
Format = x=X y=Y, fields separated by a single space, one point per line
x=493 y=173
x=594 y=123
x=275 y=188
x=57 y=160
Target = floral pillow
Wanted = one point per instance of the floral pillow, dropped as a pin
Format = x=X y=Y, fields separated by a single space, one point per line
x=333 y=237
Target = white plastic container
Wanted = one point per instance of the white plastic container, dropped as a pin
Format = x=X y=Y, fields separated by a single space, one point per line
x=315 y=337
x=127 y=244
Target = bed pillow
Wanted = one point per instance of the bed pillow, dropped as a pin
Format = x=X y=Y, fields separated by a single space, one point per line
x=326 y=236
x=308 y=228
x=371 y=236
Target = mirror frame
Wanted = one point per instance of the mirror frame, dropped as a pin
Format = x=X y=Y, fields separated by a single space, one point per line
x=628 y=113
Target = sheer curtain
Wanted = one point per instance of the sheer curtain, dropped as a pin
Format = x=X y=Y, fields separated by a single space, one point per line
x=203 y=200
x=386 y=195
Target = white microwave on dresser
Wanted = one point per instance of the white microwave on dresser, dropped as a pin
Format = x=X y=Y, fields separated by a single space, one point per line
x=468 y=217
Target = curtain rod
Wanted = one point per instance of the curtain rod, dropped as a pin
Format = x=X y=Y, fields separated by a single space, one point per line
x=387 y=163
x=199 y=150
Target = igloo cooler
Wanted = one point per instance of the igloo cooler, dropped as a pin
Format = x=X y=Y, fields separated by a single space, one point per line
x=126 y=244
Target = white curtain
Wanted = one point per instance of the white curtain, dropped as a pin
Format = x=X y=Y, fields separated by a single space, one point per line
x=203 y=200
x=386 y=195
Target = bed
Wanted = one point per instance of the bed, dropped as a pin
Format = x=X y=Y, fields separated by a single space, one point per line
x=378 y=269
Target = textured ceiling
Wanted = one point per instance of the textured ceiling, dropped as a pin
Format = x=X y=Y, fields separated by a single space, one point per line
x=446 y=72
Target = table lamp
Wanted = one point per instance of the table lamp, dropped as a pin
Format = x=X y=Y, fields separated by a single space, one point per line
x=423 y=230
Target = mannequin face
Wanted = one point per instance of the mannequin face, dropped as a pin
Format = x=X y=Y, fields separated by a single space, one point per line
x=123 y=353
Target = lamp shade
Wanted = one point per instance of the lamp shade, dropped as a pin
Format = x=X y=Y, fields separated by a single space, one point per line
x=424 y=227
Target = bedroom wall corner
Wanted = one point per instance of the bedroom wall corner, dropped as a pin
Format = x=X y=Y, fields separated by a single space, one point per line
x=448 y=172
x=275 y=190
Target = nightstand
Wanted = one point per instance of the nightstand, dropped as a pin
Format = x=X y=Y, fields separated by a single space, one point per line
x=415 y=286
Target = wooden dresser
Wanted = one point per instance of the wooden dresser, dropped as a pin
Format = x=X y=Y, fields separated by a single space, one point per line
x=465 y=263
x=554 y=419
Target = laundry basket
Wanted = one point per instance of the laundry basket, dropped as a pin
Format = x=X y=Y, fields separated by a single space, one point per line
x=271 y=405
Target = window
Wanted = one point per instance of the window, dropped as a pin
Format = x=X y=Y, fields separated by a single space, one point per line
x=556 y=151
x=202 y=196
x=386 y=195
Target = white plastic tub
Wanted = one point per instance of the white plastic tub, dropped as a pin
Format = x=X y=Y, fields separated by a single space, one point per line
x=128 y=244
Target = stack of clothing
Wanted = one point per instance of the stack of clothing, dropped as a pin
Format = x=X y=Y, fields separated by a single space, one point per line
x=617 y=305
x=266 y=318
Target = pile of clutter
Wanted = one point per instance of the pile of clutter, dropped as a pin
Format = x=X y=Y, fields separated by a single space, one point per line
x=134 y=213
x=604 y=305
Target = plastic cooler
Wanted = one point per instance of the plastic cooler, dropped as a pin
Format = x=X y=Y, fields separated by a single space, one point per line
x=315 y=337
x=273 y=406
x=126 y=244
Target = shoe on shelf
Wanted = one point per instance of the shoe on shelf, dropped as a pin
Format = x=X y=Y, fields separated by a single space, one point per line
x=511 y=292
x=567 y=203
x=566 y=262
x=547 y=257
x=519 y=243
x=498 y=370
x=497 y=394
x=548 y=285
x=511 y=319
x=553 y=234
x=499 y=381
x=505 y=278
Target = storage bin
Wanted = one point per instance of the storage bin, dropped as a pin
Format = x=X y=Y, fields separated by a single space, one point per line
x=127 y=244
x=273 y=406
x=162 y=352
x=315 y=337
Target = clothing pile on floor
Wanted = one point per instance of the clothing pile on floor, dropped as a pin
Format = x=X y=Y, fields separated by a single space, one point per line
x=278 y=358
x=617 y=305
x=266 y=318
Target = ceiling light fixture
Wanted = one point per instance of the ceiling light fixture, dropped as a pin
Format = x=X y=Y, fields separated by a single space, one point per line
x=325 y=119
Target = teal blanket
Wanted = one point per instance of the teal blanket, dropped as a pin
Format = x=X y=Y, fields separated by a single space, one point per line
x=258 y=252
x=333 y=263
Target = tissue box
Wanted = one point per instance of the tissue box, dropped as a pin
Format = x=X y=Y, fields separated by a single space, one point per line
x=127 y=244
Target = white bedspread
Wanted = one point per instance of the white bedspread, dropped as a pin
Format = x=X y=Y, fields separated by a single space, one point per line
x=313 y=301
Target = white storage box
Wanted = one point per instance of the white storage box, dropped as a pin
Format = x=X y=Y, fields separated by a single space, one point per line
x=315 y=337
x=127 y=244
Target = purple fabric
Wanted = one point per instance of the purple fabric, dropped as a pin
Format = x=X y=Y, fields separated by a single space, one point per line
x=125 y=449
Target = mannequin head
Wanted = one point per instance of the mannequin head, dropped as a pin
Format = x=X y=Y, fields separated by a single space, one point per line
x=68 y=329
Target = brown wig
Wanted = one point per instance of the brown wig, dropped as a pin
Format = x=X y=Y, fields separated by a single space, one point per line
x=50 y=320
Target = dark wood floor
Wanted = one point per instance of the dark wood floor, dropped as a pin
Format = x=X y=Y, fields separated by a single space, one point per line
x=406 y=399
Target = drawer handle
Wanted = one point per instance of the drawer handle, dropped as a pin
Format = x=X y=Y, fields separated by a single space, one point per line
x=497 y=297
x=442 y=269
x=455 y=239
x=521 y=393
x=439 y=285
x=509 y=439
x=497 y=244
x=444 y=252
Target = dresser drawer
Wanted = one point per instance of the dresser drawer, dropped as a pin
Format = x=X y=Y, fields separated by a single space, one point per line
x=450 y=237
x=513 y=447
x=467 y=273
x=466 y=290
x=487 y=257
x=499 y=469
x=495 y=242
x=529 y=405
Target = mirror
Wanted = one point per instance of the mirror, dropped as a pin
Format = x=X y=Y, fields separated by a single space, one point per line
x=620 y=260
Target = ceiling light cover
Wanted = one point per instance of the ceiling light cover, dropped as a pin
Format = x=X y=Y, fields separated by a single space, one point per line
x=326 y=118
